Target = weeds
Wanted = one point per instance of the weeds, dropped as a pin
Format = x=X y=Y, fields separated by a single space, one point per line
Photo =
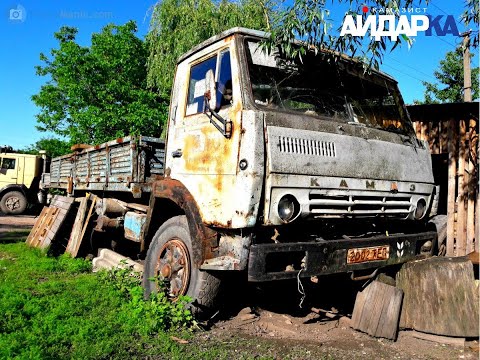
x=54 y=308
x=157 y=313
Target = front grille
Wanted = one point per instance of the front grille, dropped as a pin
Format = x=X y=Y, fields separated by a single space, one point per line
x=306 y=146
x=359 y=205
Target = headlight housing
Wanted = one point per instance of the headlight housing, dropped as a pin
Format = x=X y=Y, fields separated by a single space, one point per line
x=421 y=209
x=288 y=208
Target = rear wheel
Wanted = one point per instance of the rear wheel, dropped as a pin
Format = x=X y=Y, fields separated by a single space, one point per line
x=13 y=202
x=169 y=264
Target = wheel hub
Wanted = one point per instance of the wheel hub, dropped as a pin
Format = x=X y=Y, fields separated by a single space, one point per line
x=12 y=203
x=173 y=267
x=166 y=271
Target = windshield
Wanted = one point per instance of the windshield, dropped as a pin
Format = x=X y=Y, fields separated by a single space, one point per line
x=315 y=85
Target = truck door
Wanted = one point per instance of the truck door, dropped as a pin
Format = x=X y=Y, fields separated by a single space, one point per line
x=8 y=170
x=20 y=166
x=199 y=154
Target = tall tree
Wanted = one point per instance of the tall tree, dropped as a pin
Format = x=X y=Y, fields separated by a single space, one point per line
x=449 y=85
x=178 y=25
x=98 y=92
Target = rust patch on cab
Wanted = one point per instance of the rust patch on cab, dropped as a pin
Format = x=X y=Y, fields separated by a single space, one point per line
x=204 y=239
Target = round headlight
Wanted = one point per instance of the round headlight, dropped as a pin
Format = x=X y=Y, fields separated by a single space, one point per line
x=421 y=208
x=288 y=208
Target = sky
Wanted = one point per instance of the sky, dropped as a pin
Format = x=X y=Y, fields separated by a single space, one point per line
x=22 y=41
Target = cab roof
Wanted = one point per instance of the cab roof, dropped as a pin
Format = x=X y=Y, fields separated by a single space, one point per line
x=223 y=35
x=258 y=34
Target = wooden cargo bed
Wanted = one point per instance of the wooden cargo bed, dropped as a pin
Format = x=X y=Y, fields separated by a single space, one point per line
x=125 y=164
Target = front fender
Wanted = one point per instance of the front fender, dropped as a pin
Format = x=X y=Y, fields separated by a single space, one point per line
x=14 y=187
x=204 y=238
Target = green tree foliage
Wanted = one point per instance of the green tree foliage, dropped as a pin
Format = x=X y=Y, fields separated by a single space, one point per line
x=179 y=25
x=449 y=85
x=96 y=93
x=470 y=18
x=52 y=146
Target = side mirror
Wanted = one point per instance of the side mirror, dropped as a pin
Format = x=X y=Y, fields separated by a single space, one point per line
x=210 y=106
x=210 y=90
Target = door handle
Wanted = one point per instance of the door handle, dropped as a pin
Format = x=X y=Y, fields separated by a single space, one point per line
x=177 y=153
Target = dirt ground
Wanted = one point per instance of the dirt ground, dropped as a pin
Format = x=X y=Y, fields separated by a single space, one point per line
x=15 y=223
x=271 y=315
x=320 y=337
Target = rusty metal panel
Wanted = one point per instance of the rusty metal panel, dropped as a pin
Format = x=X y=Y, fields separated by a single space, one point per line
x=134 y=225
x=208 y=164
x=98 y=165
x=124 y=164
x=367 y=158
x=120 y=161
x=154 y=152
x=157 y=162
x=81 y=168
x=60 y=169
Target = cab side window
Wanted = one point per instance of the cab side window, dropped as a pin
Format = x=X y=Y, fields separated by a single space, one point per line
x=8 y=164
x=221 y=66
x=224 y=82
x=196 y=86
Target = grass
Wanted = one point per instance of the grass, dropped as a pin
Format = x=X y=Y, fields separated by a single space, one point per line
x=56 y=308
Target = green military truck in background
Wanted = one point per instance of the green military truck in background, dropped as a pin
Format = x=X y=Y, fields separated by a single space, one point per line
x=19 y=180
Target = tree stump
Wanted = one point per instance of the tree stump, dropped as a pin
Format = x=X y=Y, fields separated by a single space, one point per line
x=440 y=297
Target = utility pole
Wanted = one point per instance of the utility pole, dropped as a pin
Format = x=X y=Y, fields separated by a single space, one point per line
x=467 y=74
x=467 y=97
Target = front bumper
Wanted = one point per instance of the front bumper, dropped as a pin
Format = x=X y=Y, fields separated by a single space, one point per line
x=330 y=256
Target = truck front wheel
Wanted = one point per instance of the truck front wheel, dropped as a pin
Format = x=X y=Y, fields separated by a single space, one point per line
x=169 y=266
x=13 y=202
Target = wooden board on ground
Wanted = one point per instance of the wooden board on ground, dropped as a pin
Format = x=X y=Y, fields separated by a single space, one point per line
x=75 y=237
x=49 y=222
x=87 y=220
x=377 y=310
x=440 y=297
x=39 y=231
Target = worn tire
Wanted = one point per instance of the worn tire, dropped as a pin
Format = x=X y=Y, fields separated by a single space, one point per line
x=13 y=202
x=439 y=224
x=201 y=286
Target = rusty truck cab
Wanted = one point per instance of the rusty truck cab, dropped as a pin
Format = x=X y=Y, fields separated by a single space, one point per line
x=292 y=167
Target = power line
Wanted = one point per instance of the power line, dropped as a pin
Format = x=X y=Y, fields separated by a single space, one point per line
x=438 y=8
x=413 y=68
x=445 y=41
x=402 y=72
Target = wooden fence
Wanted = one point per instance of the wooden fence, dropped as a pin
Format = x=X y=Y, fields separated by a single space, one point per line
x=452 y=131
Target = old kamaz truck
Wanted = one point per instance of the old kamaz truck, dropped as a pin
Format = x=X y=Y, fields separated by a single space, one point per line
x=278 y=167
x=19 y=180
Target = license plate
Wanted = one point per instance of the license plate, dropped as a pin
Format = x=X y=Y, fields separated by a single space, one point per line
x=360 y=255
